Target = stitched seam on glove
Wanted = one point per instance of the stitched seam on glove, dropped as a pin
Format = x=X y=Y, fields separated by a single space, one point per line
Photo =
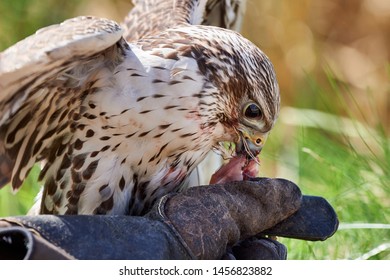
x=164 y=218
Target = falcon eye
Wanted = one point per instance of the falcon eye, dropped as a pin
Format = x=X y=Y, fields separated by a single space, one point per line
x=252 y=111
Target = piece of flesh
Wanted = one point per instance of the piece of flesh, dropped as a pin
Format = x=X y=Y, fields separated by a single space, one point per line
x=238 y=168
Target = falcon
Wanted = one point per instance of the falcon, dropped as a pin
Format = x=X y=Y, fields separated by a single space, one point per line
x=119 y=124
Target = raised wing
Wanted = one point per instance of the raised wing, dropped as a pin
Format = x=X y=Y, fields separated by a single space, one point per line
x=152 y=16
x=43 y=80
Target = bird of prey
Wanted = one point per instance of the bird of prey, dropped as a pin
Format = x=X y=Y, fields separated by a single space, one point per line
x=119 y=124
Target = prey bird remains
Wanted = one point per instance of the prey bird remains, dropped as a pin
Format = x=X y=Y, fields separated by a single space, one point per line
x=118 y=124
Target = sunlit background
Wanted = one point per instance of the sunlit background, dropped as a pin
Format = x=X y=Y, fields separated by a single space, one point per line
x=332 y=137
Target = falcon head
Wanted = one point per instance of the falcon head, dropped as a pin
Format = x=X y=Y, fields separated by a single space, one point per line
x=247 y=93
x=234 y=92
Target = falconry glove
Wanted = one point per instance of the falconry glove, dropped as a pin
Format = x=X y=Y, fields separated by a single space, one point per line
x=209 y=222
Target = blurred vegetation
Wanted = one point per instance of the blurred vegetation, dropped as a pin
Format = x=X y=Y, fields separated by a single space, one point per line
x=332 y=137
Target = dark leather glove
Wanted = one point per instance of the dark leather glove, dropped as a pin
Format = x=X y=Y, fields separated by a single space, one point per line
x=200 y=223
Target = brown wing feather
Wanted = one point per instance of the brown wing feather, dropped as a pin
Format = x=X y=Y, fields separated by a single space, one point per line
x=151 y=16
x=42 y=83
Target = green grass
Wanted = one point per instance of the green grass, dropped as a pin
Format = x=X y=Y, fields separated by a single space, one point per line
x=13 y=204
x=21 y=18
x=318 y=143
x=345 y=161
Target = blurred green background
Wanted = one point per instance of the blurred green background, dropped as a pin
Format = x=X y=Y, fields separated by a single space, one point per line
x=332 y=138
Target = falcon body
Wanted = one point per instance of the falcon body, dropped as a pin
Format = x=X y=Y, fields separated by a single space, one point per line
x=118 y=125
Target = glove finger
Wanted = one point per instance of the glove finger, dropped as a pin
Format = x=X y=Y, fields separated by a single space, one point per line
x=209 y=218
x=260 y=249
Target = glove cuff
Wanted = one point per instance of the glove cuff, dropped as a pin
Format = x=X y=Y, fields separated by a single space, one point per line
x=20 y=243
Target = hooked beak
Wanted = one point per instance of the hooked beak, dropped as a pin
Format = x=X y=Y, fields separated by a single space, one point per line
x=250 y=143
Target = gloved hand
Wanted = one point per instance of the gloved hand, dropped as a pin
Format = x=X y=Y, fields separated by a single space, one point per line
x=207 y=222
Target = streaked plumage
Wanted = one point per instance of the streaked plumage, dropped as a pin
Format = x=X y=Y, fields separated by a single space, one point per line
x=118 y=125
x=152 y=16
